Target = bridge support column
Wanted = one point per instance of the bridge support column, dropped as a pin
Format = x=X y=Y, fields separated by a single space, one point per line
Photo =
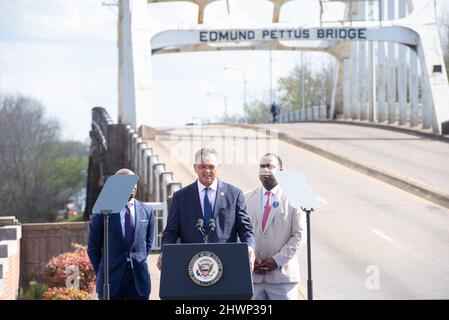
x=391 y=66
x=135 y=73
x=381 y=82
x=364 y=80
x=402 y=72
x=347 y=89
x=336 y=98
x=413 y=79
x=391 y=83
x=355 y=82
x=402 y=85
x=434 y=78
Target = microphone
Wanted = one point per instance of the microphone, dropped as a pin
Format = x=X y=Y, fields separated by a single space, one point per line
x=211 y=226
x=199 y=225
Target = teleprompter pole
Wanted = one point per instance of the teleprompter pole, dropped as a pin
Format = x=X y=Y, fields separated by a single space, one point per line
x=309 y=258
x=106 y=214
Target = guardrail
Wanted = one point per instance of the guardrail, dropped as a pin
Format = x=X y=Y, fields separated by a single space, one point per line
x=114 y=146
x=156 y=183
x=100 y=122
x=314 y=113
x=320 y=113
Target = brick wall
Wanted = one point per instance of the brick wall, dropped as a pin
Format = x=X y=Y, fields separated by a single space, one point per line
x=11 y=277
x=22 y=258
x=10 y=235
x=42 y=241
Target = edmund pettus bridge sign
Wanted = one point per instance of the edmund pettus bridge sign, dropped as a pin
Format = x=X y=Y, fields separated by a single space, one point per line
x=390 y=66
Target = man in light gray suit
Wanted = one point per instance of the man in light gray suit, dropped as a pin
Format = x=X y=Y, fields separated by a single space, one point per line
x=280 y=232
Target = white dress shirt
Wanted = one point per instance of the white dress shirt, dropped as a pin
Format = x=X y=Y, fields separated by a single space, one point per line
x=274 y=191
x=211 y=193
x=131 y=205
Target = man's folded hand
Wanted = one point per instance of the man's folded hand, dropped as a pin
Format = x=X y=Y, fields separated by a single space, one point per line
x=265 y=266
x=252 y=257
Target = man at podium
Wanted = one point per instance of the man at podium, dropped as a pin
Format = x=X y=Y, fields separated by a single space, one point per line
x=131 y=234
x=280 y=231
x=205 y=199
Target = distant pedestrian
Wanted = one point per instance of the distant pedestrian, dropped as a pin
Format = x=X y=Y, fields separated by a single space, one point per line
x=275 y=110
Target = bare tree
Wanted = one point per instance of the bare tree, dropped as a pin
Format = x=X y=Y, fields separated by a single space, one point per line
x=36 y=172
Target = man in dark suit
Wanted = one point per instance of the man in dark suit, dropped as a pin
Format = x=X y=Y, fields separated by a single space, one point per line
x=130 y=238
x=208 y=198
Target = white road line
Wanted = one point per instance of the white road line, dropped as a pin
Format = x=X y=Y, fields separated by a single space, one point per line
x=383 y=236
x=322 y=200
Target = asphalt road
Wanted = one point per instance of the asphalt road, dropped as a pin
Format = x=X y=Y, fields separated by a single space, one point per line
x=369 y=240
x=415 y=158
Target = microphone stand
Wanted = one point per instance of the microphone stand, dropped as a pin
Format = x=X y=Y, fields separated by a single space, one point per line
x=210 y=229
x=199 y=227
x=205 y=236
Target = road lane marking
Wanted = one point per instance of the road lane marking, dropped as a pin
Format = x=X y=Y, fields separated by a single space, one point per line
x=322 y=200
x=382 y=235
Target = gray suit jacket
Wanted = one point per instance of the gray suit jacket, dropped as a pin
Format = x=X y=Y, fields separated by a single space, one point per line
x=284 y=234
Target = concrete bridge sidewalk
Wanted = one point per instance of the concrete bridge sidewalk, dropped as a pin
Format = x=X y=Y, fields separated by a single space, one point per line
x=415 y=163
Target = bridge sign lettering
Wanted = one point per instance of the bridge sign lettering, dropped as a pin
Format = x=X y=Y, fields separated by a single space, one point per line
x=232 y=35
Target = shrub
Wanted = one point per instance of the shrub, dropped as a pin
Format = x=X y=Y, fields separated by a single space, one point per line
x=58 y=270
x=34 y=291
x=77 y=218
x=66 y=294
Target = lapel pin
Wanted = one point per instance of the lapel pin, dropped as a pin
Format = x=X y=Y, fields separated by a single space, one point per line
x=222 y=194
x=275 y=204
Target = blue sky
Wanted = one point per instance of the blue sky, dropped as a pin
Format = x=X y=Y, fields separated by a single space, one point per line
x=64 y=53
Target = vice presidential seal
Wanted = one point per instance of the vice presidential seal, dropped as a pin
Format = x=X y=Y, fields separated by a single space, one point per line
x=205 y=268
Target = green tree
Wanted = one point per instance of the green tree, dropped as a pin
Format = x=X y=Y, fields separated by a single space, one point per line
x=257 y=112
x=317 y=86
x=39 y=172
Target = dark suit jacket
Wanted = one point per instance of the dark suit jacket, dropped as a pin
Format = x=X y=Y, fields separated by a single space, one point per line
x=141 y=248
x=229 y=214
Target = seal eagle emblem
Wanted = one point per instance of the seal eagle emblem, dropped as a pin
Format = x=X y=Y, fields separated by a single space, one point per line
x=205 y=268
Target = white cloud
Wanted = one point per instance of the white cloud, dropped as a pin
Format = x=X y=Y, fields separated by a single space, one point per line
x=62 y=53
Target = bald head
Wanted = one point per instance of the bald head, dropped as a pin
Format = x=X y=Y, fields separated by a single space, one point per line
x=127 y=172
x=124 y=172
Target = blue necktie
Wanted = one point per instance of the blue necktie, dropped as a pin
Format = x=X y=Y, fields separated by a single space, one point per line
x=129 y=229
x=207 y=208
